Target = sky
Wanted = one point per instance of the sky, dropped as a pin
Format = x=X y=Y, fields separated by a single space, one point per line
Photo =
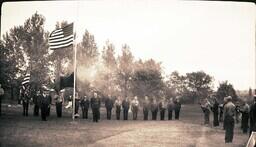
x=215 y=37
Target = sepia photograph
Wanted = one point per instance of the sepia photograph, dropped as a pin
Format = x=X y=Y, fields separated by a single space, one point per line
x=128 y=73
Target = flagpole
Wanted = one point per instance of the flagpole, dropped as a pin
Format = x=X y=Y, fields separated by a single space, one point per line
x=75 y=54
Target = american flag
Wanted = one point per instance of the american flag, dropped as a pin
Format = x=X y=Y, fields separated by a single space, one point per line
x=62 y=37
x=25 y=81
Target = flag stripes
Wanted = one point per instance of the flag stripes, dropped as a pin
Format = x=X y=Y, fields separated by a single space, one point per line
x=62 y=37
x=25 y=81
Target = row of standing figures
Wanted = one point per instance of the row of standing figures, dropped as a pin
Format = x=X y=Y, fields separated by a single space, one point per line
x=229 y=114
x=43 y=100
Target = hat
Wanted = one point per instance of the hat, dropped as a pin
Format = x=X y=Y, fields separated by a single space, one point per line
x=228 y=98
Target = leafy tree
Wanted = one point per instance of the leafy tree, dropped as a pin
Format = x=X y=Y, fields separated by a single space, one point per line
x=108 y=76
x=87 y=52
x=199 y=85
x=36 y=49
x=147 y=79
x=125 y=70
x=225 y=89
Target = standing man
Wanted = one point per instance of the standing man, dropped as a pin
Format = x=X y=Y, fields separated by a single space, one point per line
x=25 y=101
x=85 y=103
x=170 y=108
x=245 y=109
x=36 y=103
x=229 y=120
x=77 y=100
x=44 y=102
x=118 y=104
x=154 y=109
x=162 y=108
x=126 y=105
x=237 y=114
x=206 y=109
x=1 y=96
x=177 y=107
x=146 y=107
x=215 y=110
x=49 y=97
x=95 y=105
x=59 y=100
x=253 y=115
x=109 y=105
x=135 y=107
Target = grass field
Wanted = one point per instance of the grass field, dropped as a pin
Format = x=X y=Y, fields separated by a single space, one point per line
x=16 y=130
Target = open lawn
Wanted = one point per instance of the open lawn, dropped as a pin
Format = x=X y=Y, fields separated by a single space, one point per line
x=16 y=130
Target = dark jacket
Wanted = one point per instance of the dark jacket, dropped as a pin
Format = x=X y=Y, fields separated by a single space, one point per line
x=109 y=103
x=95 y=103
x=125 y=104
x=85 y=103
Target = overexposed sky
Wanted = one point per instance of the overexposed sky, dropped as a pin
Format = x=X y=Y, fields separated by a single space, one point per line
x=216 y=37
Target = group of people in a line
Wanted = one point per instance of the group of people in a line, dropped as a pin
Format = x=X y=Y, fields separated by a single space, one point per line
x=43 y=99
x=229 y=113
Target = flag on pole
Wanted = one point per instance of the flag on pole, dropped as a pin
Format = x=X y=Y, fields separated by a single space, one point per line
x=62 y=37
x=25 y=81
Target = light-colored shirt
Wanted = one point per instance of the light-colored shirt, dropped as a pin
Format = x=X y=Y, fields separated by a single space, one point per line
x=229 y=109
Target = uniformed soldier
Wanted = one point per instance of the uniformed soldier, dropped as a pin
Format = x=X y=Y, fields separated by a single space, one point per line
x=215 y=110
x=77 y=101
x=135 y=107
x=253 y=116
x=245 y=109
x=206 y=109
x=36 y=103
x=109 y=105
x=85 y=103
x=162 y=108
x=25 y=101
x=95 y=105
x=126 y=105
x=118 y=104
x=229 y=120
x=154 y=109
x=146 y=107
x=44 y=103
x=170 y=108
x=59 y=99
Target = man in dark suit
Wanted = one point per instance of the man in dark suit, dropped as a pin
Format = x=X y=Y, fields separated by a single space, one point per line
x=85 y=103
x=36 y=103
x=25 y=101
x=146 y=107
x=44 y=104
x=126 y=105
x=109 y=105
x=95 y=105
x=154 y=109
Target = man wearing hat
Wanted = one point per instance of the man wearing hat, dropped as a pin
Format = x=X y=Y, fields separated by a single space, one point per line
x=1 y=96
x=245 y=116
x=95 y=105
x=253 y=115
x=44 y=103
x=229 y=120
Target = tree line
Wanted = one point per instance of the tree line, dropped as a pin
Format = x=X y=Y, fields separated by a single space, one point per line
x=25 y=48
